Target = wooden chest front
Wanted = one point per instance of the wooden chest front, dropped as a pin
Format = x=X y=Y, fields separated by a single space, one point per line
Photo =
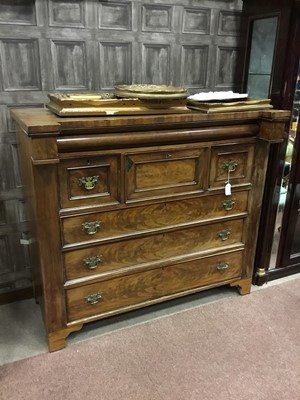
x=129 y=212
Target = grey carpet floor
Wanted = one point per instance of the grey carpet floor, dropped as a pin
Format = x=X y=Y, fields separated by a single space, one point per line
x=245 y=348
x=22 y=333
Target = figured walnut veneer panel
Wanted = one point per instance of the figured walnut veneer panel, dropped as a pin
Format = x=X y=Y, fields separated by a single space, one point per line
x=149 y=285
x=124 y=222
x=165 y=173
x=159 y=247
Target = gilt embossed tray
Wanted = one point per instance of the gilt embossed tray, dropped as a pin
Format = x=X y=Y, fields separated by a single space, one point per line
x=145 y=91
x=106 y=104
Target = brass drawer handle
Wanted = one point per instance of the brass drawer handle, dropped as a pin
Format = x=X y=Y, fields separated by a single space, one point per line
x=228 y=204
x=91 y=227
x=89 y=182
x=222 y=267
x=93 y=298
x=92 y=262
x=231 y=165
x=224 y=234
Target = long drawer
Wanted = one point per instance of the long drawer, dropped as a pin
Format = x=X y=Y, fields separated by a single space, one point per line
x=132 y=252
x=140 y=288
x=165 y=246
x=120 y=223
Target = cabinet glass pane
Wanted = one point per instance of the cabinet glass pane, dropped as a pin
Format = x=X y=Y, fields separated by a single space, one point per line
x=289 y=243
x=261 y=57
x=258 y=86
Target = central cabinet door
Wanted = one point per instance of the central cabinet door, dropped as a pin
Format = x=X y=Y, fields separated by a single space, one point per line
x=165 y=173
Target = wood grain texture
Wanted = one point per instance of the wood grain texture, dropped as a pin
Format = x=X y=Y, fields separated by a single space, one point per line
x=171 y=240
x=165 y=173
x=134 y=220
x=243 y=158
x=42 y=196
x=38 y=121
x=145 y=286
x=152 y=249
x=73 y=174
x=57 y=339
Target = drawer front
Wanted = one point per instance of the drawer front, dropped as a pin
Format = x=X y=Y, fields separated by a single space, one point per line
x=90 y=181
x=145 y=286
x=237 y=160
x=154 y=248
x=120 y=223
x=165 y=173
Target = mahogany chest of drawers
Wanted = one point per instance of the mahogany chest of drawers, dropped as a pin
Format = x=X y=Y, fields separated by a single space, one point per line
x=126 y=212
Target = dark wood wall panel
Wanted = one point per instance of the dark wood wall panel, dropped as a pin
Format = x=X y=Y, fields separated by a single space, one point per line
x=17 y=12
x=156 y=63
x=227 y=72
x=69 y=62
x=194 y=66
x=67 y=14
x=92 y=45
x=14 y=54
x=120 y=55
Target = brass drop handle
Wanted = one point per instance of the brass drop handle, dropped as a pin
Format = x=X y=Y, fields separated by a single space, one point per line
x=222 y=267
x=93 y=298
x=91 y=227
x=92 y=262
x=231 y=165
x=224 y=234
x=228 y=204
x=88 y=182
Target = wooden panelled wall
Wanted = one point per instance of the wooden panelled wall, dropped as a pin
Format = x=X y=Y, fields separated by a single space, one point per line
x=91 y=45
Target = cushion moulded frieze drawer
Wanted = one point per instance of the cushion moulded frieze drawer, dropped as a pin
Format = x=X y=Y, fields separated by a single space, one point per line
x=129 y=292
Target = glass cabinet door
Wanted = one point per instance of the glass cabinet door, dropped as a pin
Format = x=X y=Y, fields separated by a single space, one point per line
x=286 y=242
x=261 y=57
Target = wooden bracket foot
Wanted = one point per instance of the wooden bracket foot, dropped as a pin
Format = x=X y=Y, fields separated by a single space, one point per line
x=57 y=340
x=243 y=285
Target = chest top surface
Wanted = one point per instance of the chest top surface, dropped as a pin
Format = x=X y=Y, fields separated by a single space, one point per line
x=39 y=121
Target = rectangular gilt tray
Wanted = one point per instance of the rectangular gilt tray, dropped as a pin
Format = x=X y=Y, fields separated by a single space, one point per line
x=106 y=104
x=219 y=107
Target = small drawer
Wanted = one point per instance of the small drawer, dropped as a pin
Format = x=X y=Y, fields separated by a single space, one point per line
x=152 y=249
x=89 y=181
x=120 y=223
x=165 y=173
x=141 y=288
x=235 y=161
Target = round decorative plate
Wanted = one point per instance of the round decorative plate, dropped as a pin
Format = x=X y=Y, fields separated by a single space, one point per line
x=143 y=91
